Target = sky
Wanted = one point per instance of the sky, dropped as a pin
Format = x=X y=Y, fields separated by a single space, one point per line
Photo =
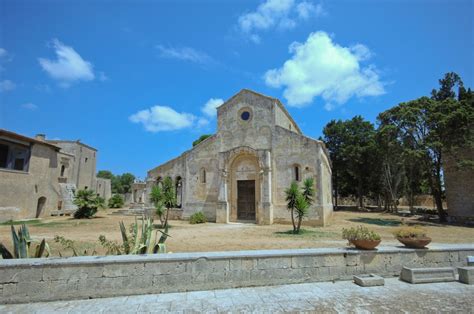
x=139 y=80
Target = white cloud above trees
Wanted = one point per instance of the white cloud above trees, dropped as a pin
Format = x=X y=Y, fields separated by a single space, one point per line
x=320 y=67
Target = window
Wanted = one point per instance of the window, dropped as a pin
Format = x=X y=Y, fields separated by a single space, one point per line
x=245 y=115
x=297 y=173
x=3 y=155
x=14 y=156
x=86 y=159
x=203 y=175
x=62 y=170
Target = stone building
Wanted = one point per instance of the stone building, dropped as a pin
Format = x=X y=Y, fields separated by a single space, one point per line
x=459 y=184
x=38 y=176
x=241 y=172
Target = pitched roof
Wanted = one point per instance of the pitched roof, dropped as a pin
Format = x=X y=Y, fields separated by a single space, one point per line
x=19 y=137
x=276 y=100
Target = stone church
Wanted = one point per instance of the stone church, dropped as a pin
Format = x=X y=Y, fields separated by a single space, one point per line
x=241 y=172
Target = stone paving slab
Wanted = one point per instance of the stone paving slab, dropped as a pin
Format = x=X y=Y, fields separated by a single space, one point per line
x=323 y=297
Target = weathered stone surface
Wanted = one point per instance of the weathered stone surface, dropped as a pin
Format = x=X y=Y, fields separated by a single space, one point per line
x=268 y=148
x=466 y=274
x=426 y=275
x=370 y=280
x=31 y=280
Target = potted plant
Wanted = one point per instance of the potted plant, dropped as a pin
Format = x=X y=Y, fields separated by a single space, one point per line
x=412 y=237
x=361 y=237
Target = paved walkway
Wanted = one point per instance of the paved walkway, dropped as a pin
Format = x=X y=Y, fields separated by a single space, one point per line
x=340 y=297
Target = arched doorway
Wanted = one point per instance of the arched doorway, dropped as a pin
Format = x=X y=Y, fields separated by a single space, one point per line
x=244 y=188
x=40 y=206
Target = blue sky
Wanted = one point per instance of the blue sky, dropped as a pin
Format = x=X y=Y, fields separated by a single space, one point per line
x=139 y=79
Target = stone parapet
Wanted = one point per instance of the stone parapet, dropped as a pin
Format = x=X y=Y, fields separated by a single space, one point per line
x=48 y=279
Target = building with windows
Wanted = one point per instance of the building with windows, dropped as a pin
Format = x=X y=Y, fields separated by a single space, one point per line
x=38 y=176
x=241 y=172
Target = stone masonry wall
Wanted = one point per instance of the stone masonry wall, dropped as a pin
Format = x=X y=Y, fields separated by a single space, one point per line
x=94 y=277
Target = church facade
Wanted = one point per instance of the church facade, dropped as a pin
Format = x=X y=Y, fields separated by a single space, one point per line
x=241 y=172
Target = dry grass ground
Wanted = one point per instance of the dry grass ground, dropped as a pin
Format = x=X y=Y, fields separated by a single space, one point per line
x=226 y=237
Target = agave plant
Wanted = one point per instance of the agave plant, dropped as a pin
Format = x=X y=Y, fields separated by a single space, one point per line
x=139 y=240
x=21 y=245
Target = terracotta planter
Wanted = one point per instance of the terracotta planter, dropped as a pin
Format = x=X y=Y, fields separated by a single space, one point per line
x=415 y=243
x=366 y=244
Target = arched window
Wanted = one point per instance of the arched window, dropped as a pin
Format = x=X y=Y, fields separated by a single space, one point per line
x=63 y=168
x=297 y=173
x=159 y=181
x=203 y=175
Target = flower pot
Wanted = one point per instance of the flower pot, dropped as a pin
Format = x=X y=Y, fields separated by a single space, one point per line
x=415 y=243
x=366 y=244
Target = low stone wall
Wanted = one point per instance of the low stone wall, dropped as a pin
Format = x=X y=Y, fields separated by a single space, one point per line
x=94 y=277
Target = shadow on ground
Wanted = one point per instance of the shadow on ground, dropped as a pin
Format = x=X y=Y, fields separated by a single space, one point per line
x=377 y=221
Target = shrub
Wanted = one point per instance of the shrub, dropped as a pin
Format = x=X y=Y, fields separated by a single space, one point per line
x=197 y=218
x=359 y=233
x=116 y=201
x=157 y=199
x=410 y=232
x=88 y=203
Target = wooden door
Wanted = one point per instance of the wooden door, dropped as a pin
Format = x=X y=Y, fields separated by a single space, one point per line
x=246 y=199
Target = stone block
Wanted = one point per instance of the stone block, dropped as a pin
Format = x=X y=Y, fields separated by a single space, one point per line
x=370 y=280
x=274 y=262
x=14 y=274
x=427 y=275
x=165 y=268
x=466 y=275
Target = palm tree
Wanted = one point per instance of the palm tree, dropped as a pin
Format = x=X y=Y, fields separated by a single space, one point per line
x=291 y=195
x=301 y=209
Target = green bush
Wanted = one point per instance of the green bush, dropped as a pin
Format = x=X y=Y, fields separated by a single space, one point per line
x=359 y=233
x=87 y=202
x=116 y=201
x=197 y=218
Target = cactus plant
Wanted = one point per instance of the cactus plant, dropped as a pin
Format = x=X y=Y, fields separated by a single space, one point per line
x=21 y=245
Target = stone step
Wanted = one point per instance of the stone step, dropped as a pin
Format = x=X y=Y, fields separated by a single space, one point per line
x=370 y=280
x=466 y=274
x=427 y=275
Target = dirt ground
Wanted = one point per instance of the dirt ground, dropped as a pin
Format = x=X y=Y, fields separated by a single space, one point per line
x=228 y=237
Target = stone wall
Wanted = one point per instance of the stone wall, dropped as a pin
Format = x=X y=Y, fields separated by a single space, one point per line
x=94 y=277
x=459 y=183
x=21 y=191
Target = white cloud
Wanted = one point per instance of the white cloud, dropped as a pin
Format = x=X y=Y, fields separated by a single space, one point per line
x=320 y=67
x=3 y=53
x=163 y=118
x=307 y=9
x=6 y=85
x=69 y=67
x=202 y=122
x=185 y=54
x=279 y=14
x=209 y=108
x=29 y=106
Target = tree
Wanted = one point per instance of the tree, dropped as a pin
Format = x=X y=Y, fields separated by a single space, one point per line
x=301 y=210
x=106 y=174
x=88 y=203
x=116 y=201
x=201 y=138
x=169 y=197
x=157 y=199
x=334 y=137
x=126 y=181
x=291 y=195
x=351 y=146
